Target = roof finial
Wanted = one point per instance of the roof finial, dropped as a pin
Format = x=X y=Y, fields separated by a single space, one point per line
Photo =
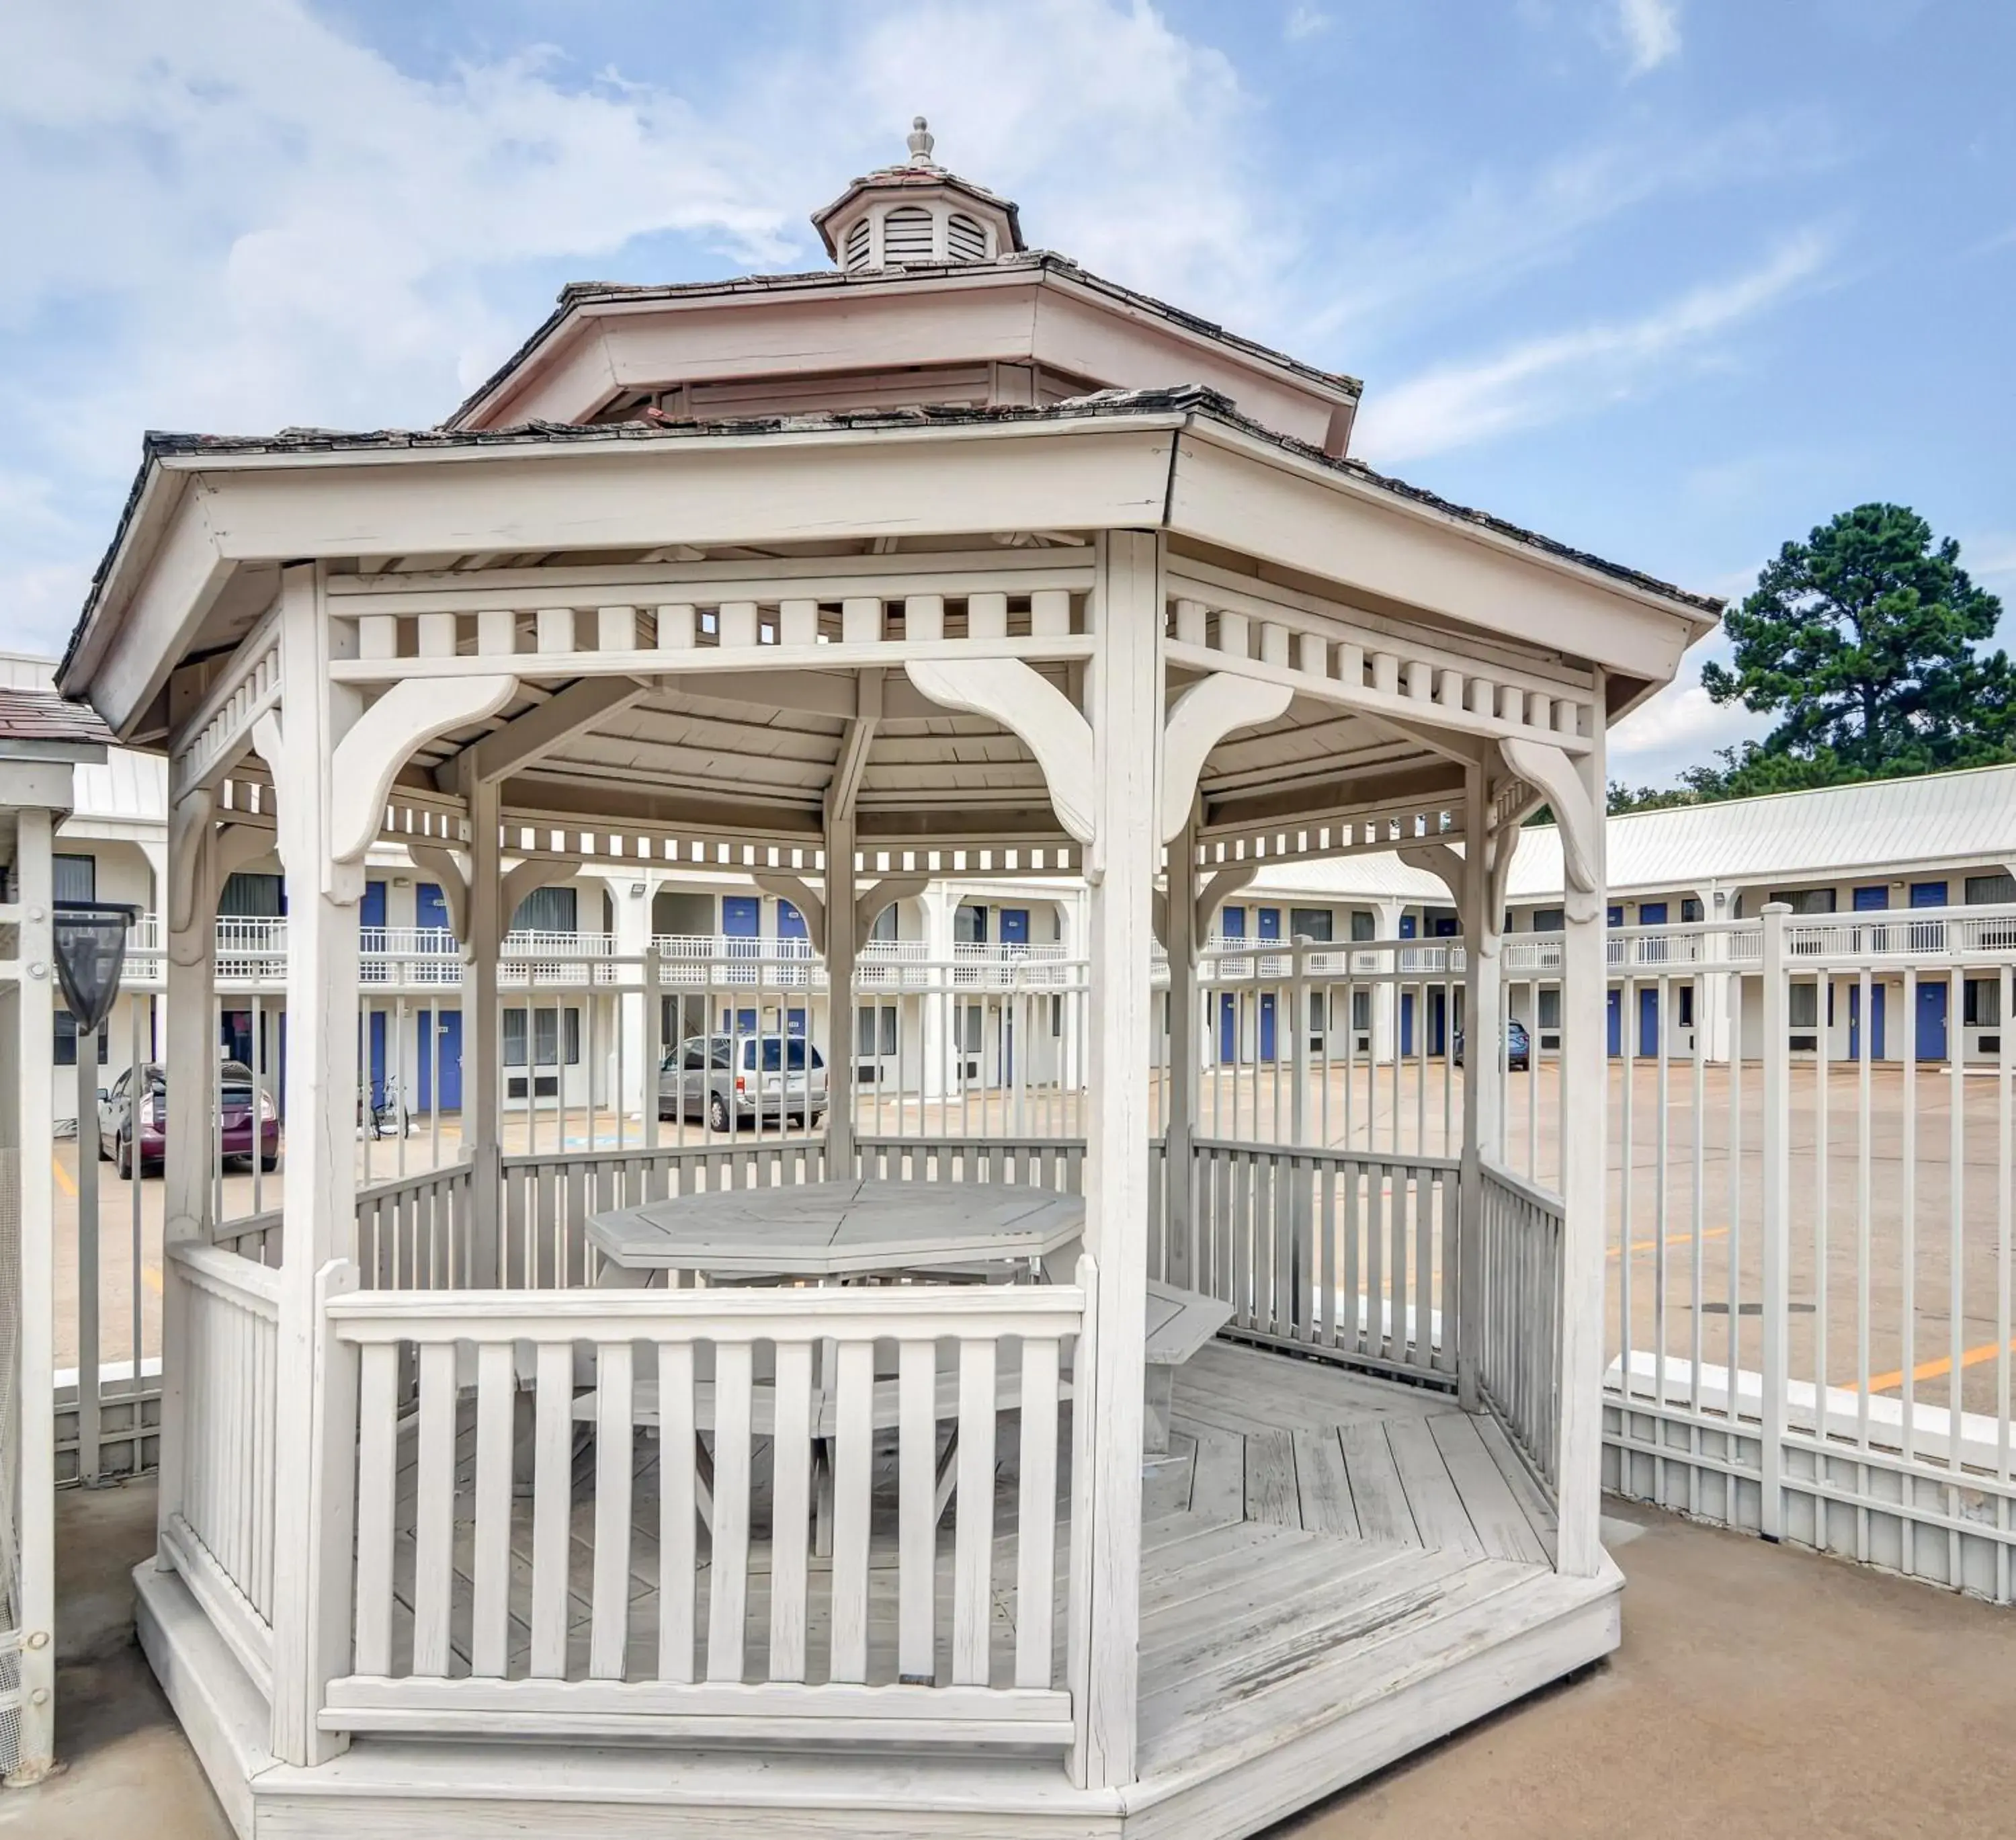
x=921 y=142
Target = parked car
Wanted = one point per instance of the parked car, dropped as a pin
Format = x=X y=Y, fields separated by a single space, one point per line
x=1518 y=1046
x=248 y=1123
x=728 y=1079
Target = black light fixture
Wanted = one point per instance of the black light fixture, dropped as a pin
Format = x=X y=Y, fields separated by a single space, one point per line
x=91 y=953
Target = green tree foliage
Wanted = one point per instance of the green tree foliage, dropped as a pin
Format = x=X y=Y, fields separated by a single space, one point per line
x=1862 y=641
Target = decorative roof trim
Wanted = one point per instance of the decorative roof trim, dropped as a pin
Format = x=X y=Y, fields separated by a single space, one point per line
x=1186 y=400
x=1043 y=264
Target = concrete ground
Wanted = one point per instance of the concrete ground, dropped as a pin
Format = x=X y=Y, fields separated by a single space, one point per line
x=1760 y=1691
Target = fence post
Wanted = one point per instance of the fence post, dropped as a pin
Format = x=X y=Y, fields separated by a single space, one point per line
x=1774 y=1313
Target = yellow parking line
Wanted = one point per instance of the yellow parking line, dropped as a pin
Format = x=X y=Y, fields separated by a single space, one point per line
x=1672 y=1240
x=63 y=1180
x=1884 y=1383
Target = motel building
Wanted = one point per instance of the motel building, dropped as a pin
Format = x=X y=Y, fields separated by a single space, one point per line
x=974 y=984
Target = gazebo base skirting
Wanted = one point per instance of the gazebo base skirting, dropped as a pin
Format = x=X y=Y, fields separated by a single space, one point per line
x=1336 y=1570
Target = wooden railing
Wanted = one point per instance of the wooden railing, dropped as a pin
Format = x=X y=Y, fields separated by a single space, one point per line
x=220 y=1535
x=1349 y=1255
x=415 y=1233
x=1519 y=1342
x=766 y=1407
x=255 y=1236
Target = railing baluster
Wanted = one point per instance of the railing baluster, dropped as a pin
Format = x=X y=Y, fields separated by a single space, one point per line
x=973 y=1558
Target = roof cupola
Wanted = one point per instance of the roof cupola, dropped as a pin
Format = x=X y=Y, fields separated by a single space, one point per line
x=916 y=215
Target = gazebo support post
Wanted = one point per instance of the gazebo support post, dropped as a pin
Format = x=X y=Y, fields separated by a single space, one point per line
x=315 y=1452
x=1123 y=697
x=841 y=940
x=482 y=1056
x=1178 y=1163
x=29 y=1083
x=1574 y=785
x=189 y=1041
x=1483 y=1074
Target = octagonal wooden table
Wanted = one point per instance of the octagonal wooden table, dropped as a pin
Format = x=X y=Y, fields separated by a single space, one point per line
x=840 y=1229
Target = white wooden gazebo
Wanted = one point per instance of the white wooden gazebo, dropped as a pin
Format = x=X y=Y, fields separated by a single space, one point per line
x=956 y=560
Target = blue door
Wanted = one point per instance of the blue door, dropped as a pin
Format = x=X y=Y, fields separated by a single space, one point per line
x=377 y=1057
x=1648 y=1021
x=1267 y=1025
x=1615 y=918
x=1438 y=1022
x=791 y=923
x=1932 y=1021
x=430 y=907
x=1615 y=1017
x=1014 y=926
x=1232 y=923
x=1270 y=922
x=742 y=925
x=1411 y=927
x=371 y=910
x=1875 y=1044
x=450 y=1056
x=1228 y=1027
x=1872 y=900
x=1928 y=894
x=1406 y=1023
x=1443 y=926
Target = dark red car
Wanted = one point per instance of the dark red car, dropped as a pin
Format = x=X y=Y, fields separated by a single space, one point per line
x=249 y=1125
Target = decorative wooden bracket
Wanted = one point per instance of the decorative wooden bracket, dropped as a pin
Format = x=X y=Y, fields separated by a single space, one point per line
x=1550 y=770
x=1216 y=890
x=1443 y=862
x=1028 y=705
x=383 y=739
x=794 y=889
x=188 y=832
x=1202 y=717
x=868 y=905
x=520 y=879
x=452 y=877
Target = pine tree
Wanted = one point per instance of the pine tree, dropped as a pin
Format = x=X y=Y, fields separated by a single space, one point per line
x=1862 y=640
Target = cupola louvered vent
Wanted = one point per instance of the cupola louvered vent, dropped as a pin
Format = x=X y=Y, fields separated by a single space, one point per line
x=906 y=235
x=857 y=246
x=964 y=239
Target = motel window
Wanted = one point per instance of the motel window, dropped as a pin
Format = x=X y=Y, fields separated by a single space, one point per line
x=1803 y=1006
x=1548 y=920
x=1982 y=890
x=66 y=1043
x=75 y=877
x=1690 y=910
x=252 y=897
x=1310 y=922
x=969 y=924
x=1686 y=994
x=547 y=910
x=1982 y=1003
x=1550 y=1006
x=1361 y=1009
x=1363 y=925
x=553 y=1035
x=1805 y=900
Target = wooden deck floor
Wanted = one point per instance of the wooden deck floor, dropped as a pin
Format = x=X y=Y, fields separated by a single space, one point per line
x=1317 y=1530
x=1309 y=1529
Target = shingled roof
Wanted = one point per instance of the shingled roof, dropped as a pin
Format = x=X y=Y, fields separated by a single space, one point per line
x=42 y=715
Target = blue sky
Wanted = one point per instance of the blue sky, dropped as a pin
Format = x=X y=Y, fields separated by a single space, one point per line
x=1670 y=280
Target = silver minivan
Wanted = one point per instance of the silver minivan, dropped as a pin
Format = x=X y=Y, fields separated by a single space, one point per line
x=727 y=1079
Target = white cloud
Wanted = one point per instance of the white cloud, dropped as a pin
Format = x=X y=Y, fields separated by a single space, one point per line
x=1564 y=374
x=1500 y=226
x=232 y=217
x=1304 y=22
x=1650 y=31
